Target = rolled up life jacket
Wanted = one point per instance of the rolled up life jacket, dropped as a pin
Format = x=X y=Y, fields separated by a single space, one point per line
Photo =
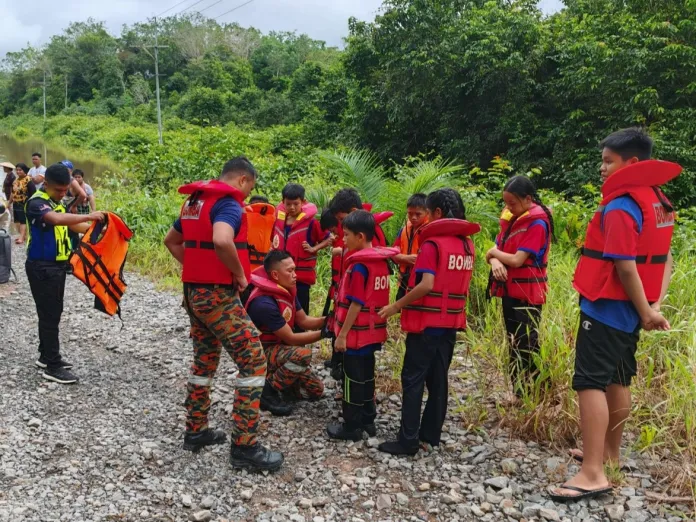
x=263 y=285
x=369 y=327
x=596 y=276
x=445 y=305
x=98 y=261
x=201 y=263
x=291 y=242
x=528 y=282
x=260 y=221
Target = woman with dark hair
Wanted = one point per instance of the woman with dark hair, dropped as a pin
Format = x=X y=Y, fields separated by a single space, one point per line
x=22 y=190
x=518 y=274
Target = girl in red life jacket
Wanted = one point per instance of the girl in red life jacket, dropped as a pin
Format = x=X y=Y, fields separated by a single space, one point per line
x=518 y=273
x=432 y=311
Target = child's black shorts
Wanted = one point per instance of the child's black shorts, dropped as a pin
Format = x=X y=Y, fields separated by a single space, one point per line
x=603 y=355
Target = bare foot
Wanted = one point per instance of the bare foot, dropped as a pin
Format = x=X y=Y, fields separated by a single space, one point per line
x=19 y=241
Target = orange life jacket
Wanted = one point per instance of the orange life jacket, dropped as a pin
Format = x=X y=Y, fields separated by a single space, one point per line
x=98 y=261
x=596 y=276
x=408 y=244
x=260 y=220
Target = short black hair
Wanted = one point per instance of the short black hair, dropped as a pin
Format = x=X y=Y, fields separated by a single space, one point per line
x=293 y=191
x=345 y=200
x=416 y=201
x=58 y=174
x=238 y=166
x=328 y=220
x=361 y=222
x=273 y=258
x=629 y=143
x=258 y=199
x=78 y=172
x=36 y=154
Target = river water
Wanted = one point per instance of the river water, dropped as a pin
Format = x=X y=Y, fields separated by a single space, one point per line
x=16 y=151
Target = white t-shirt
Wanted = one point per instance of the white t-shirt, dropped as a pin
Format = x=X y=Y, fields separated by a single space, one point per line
x=34 y=171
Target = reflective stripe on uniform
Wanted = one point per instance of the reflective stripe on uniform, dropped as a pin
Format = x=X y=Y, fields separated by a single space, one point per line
x=199 y=380
x=251 y=382
x=295 y=368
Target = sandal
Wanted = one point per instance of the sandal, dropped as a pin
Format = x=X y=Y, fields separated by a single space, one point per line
x=584 y=493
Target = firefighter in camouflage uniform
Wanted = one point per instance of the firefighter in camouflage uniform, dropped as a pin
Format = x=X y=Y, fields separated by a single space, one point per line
x=210 y=240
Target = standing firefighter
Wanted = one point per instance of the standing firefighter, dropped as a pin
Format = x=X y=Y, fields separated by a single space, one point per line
x=210 y=240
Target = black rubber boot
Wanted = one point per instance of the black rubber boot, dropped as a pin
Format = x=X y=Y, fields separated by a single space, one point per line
x=196 y=441
x=255 y=458
x=338 y=431
x=370 y=429
x=272 y=401
x=396 y=448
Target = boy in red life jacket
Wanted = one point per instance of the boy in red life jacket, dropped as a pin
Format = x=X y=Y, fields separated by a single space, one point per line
x=407 y=240
x=299 y=234
x=275 y=310
x=359 y=330
x=622 y=278
x=432 y=311
x=518 y=274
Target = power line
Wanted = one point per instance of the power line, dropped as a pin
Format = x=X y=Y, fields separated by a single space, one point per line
x=172 y=7
x=211 y=5
x=233 y=9
x=189 y=7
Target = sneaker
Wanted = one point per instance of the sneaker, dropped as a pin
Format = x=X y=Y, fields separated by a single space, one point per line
x=255 y=458
x=197 y=441
x=338 y=431
x=272 y=401
x=328 y=364
x=370 y=429
x=396 y=448
x=59 y=375
x=41 y=363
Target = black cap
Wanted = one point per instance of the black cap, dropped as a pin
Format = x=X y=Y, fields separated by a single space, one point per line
x=58 y=174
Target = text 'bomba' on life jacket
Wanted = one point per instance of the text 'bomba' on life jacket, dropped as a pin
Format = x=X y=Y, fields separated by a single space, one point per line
x=528 y=282
x=445 y=305
x=290 y=240
x=369 y=327
x=264 y=285
x=596 y=276
x=260 y=221
x=201 y=263
x=98 y=261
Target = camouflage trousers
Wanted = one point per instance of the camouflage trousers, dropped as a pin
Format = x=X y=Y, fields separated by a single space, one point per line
x=290 y=369
x=219 y=320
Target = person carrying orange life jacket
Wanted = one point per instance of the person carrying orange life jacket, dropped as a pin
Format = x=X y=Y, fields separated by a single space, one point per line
x=260 y=221
x=98 y=261
x=432 y=311
x=518 y=274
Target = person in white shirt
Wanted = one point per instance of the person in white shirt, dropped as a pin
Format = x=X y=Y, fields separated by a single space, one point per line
x=36 y=173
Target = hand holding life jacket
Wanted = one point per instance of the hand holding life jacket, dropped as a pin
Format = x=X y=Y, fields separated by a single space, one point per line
x=596 y=276
x=201 y=263
x=528 y=282
x=98 y=261
x=369 y=327
x=291 y=241
x=260 y=221
x=265 y=286
x=445 y=305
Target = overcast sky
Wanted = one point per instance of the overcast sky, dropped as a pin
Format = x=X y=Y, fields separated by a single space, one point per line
x=36 y=21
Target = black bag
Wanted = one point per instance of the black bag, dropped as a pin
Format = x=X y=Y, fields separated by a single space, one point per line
x=5 y=256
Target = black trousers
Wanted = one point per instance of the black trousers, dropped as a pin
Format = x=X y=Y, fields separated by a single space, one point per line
x=47 y=283
x=359 y=406
x=426 y=363
x=522 y=327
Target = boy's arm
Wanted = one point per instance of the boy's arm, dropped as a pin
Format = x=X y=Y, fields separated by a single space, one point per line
x=422 y=289
x=62 y=219
x=353 y=312
x=82 y=228
x=627 y=271
x=174 y=241
x=666 y=278
x=405 y=259
x=92 y=203
x=515 y=260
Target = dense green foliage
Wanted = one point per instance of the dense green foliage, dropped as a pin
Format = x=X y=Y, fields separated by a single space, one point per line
x=464 y=79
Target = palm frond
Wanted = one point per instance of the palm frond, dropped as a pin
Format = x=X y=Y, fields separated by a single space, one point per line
x=359 y=169
x=320 y=196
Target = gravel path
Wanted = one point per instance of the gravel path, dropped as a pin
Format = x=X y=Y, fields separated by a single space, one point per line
x=109 y=448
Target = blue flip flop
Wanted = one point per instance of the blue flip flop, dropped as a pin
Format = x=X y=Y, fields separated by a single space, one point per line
x=584 y=493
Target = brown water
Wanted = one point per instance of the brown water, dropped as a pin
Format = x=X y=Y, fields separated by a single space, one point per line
x=16 y=151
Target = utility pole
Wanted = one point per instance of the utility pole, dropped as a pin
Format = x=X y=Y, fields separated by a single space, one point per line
x=66 y=90
x=157 y=86
x=44 y=94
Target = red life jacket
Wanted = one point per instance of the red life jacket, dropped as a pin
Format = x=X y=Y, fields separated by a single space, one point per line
x=528 y=282
x=445 y=305
x=369 y=327
x=300 y=231
x=201 y=263
x=263 y=285
x=596 y=276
